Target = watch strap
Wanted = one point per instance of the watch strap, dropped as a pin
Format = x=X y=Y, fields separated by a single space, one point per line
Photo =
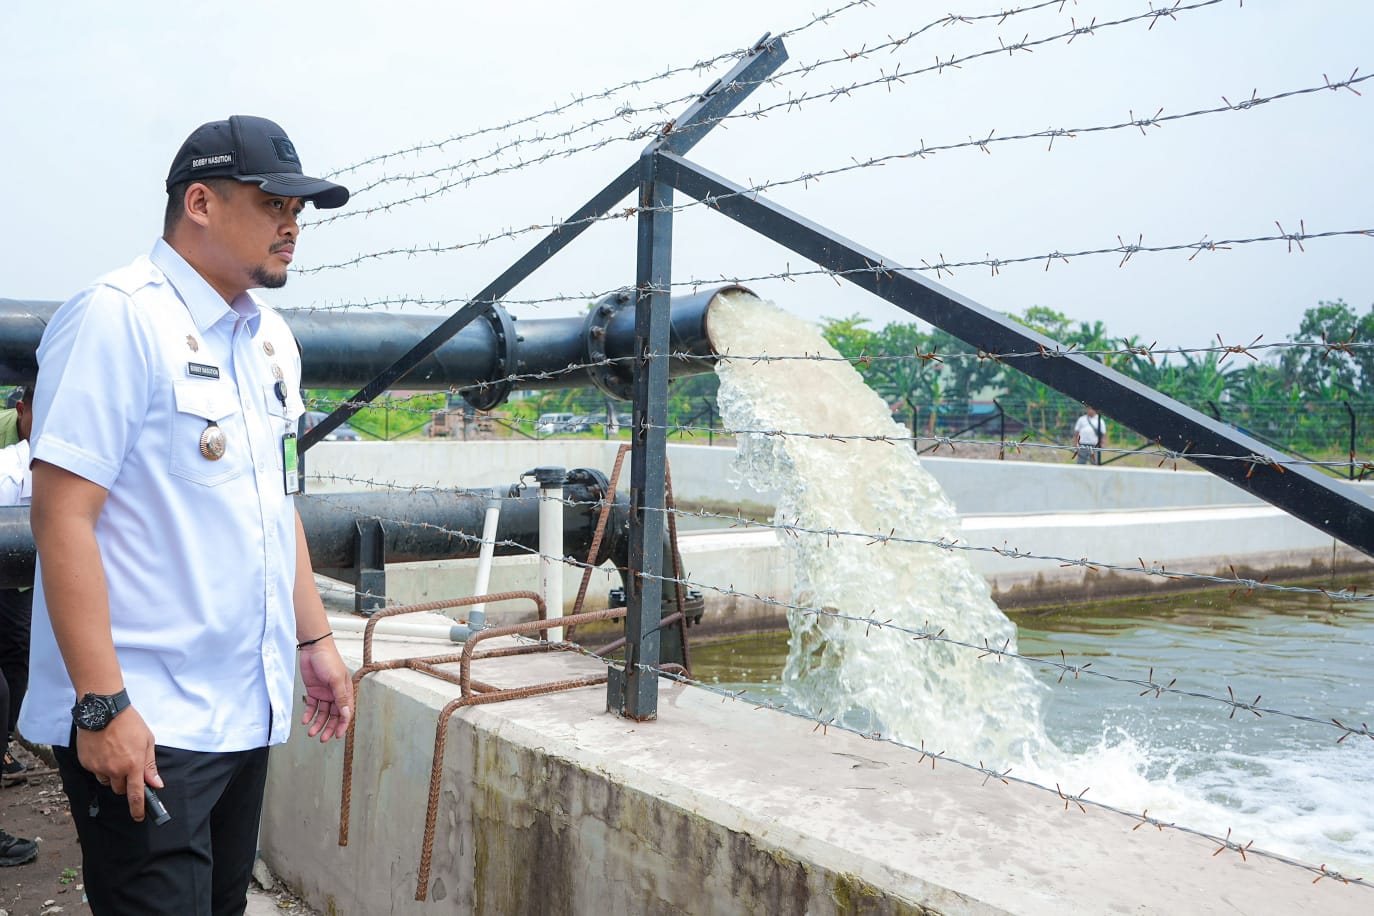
x=117 y=702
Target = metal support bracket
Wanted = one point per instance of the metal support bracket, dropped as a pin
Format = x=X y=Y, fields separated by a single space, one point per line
x=369 y=564
x=633 y=690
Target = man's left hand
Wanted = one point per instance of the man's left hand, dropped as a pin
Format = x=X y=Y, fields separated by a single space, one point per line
x=328 y=691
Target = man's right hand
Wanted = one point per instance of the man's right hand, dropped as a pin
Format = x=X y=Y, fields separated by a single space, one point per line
x=122 y=756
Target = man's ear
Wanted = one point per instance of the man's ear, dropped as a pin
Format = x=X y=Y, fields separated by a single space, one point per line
x=199 y=200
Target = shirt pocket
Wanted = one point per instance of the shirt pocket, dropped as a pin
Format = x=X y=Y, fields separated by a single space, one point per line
x=284 y=416
x=199 y=403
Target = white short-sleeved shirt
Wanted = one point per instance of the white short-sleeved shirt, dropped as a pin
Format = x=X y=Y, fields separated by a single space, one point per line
x=15 y=479
x=199 y=554
x=1090 y=431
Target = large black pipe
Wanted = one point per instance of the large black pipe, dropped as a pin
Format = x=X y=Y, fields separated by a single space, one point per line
x=348 y=349
x=420 y=525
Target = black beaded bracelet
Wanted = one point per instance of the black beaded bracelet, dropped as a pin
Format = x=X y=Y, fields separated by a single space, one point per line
x=311 y=642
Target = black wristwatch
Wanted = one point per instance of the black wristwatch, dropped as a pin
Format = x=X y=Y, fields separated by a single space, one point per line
x=93 y=711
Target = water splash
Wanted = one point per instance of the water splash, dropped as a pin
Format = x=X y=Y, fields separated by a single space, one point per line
x=871 y=679
x=987 y=709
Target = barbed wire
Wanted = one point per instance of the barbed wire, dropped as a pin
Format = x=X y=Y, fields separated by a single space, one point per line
x=624 y=113
x=956 y=62
x=578 y=100
x=1129 y=348
x=823 y=724
x=940 y=268
x=641 y=133
x=1016 y=446
x=1236 y=583
x=1164 y=454
x=897 y=76
x=1158 y=120
x=987 y=649
x=883 y=269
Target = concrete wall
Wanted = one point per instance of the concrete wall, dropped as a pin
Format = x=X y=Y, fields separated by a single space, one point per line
x=703 y=474
x=551 y=805
x=1188 y=521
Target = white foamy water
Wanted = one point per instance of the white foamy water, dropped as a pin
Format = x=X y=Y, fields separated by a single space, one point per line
x=874 y=680
x=1316 y=804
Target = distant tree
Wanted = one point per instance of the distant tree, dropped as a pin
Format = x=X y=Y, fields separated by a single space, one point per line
x=901 y=362
x=1332 y=323
x=849 y=336
x=1036 y=404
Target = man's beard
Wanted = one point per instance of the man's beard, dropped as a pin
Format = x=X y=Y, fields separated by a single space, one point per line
x=263 y=279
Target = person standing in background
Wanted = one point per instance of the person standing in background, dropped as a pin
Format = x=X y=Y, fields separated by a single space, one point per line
x=16 y=604
x=1089 y=435
x=14 y=491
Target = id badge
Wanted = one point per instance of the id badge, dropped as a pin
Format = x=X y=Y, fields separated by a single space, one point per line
x=290 y=464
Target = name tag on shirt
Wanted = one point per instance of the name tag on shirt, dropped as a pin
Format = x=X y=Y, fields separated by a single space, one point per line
x=200 y=370
x=290 y=464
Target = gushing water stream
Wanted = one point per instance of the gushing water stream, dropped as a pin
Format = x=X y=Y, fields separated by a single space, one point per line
x=872 y=679
x=946 y=697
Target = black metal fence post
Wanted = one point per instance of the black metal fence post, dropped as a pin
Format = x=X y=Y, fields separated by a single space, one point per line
x=633 y=692
x=1001 y=430
x=1351 y=411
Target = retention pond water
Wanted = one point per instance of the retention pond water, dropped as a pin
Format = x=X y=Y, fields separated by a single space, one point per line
x=1287 y=784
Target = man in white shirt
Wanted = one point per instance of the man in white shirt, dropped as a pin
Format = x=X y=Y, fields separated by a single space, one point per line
x=14 y=474
x=1089 y=435
x=174 y=584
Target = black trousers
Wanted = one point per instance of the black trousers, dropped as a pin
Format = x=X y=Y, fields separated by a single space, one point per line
x=198 y=863
x=16 y=619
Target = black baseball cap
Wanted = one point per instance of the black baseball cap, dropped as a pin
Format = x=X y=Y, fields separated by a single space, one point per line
x=253 y=150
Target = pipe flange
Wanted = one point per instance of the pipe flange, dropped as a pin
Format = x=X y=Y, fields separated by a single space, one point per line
x=613 y=379
x=597 y=483
x=494 y=392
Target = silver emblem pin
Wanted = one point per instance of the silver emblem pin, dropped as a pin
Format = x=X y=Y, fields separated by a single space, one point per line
x=212 y=442
x=192 y=343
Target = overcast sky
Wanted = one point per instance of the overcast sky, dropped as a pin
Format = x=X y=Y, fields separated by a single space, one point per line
x=98 y=96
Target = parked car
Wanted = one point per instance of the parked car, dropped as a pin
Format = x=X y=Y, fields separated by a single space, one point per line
x=551 y=423
x=582 y=424
x=341 y=433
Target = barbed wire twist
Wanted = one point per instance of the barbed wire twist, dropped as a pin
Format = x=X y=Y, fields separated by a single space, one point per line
x=582 y=99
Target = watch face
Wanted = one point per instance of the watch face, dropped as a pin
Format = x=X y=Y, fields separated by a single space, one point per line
x=91 y=714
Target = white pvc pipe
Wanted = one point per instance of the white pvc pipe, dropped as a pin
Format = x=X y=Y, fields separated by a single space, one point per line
x=478 y=613
x=551 y=554
x=443 y=631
